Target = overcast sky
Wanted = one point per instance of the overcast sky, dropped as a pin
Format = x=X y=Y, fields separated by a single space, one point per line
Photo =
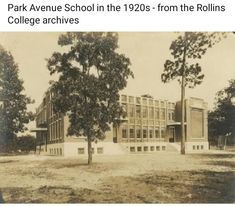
x=147 y=51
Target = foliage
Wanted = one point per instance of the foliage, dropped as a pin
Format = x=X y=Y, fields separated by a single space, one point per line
x=222 y=119
x=192 y=45
x=91 y=74
x=25 y=143
x=185 y=50
x=13 y=112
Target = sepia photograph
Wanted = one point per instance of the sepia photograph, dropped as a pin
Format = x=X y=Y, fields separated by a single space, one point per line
x=117 y=117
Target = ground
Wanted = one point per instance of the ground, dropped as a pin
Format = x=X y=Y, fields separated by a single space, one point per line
x=164 y=177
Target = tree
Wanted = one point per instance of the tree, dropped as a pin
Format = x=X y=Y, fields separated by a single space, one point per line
x=187 y=47
x=26 y=143
x=91 y=74
x=222 y=119
x=13 y=112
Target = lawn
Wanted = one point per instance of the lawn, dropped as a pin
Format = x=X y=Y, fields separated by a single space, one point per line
x=163 y=177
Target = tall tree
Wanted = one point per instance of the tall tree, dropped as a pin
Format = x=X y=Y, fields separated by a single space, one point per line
x=91 y=74
x=191 y=45
x=13 y=112
x=221 y=121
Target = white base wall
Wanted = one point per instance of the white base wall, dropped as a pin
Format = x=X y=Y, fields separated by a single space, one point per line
x=196 y=147
x=51 y=149
x=80 y=148
x=109 y=148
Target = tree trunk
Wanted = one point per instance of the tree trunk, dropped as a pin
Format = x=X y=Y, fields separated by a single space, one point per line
x=89 y=150
x=182 y=115
x=183 y=100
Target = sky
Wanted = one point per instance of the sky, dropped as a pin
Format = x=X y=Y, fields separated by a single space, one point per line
x=147 y=52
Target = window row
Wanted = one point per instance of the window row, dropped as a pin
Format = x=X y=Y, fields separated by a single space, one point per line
x=56 y=151
x=56 y=130
x=198 y=147
x=137 y=132
x=99 y=150
x=138 y=111
x=147 y=148
x=145 y=101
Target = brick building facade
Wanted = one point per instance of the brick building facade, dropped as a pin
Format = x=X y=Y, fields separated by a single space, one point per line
x=150 y=125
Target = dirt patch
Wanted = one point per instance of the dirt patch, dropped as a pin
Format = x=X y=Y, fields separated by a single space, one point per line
x=150 y=178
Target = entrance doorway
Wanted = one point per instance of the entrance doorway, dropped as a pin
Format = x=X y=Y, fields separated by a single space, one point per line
x=172 y=134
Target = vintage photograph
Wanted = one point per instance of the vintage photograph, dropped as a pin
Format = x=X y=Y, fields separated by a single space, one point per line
x=117 y=117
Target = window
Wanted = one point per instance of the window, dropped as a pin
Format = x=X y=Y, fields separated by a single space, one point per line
x=132 y=149
x=145 y=112
x=81 y=150
x=156 y=113
x=162 y=104
x=150 y=132
x=131 y=111
x=197 y=147
x=156 y=103
x=124 y=106
x=138 y=132
x=157 y=133
x=162 y=114
x=151 y=112
x=124 y=132
x=145 y=134
x=157 y=148
x=132 y=132
x=144 y=101
x=146 y=148
x=152 y=148
x=194 y=147
x=124 y=98
x=202 y=147
x=137 y=109
x=131 y=99
x=100 y=150
x=137 y=100
x=163 y=148
x=139 y=149
x=163 y=132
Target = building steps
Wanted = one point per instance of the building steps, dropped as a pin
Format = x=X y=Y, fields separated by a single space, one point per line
x=173 y=147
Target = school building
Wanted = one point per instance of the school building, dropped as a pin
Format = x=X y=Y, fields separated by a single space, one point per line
x=150 y=126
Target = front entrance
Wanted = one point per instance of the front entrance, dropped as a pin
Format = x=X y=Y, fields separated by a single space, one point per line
x=171 y=133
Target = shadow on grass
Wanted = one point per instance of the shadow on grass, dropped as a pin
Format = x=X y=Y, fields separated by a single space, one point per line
x=213 y=156
x=229 y=164
x=213 y=187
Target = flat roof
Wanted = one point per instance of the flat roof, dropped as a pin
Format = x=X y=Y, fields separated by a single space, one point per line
x=38 y=129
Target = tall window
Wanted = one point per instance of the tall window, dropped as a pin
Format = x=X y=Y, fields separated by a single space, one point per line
x=151 y=112
x=138 y=132
x=124 y=106
x=150 y=132
x=163 y=132
x=124 y=132
x=163 y=114
x=156 y=132
x=131 y=110
x=145 y=134
x=145 y=112
x=156 y=113
x=132 y=132
x=137 y=111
